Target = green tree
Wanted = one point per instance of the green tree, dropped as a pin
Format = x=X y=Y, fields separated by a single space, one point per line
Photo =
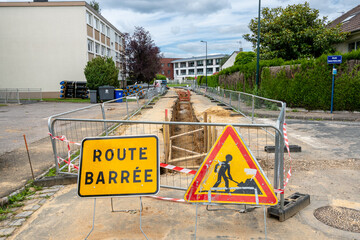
x=244 y=58
x=142 y=56
x=160 y=77
x=101 y=71
x=293 y=32
x=95 y=5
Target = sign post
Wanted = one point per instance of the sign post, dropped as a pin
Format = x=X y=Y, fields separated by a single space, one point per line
x=333 y=60
x=119 y=166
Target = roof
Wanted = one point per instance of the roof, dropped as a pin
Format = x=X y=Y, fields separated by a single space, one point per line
x=199 y=58
x=59 y=4
x=350 y=20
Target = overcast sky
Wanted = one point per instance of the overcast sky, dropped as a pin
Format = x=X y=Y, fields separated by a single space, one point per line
x=178 y=26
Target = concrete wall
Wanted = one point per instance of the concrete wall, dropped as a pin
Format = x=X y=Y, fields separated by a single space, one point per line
x=41 y=46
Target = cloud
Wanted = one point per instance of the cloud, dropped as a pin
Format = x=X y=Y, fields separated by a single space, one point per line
x=199 y=7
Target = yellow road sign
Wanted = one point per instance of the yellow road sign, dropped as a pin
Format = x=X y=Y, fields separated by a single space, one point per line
x=119 y=166
x=230 y=174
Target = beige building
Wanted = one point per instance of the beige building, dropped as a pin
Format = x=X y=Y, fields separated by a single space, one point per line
x=350 y=22
x=44 y=43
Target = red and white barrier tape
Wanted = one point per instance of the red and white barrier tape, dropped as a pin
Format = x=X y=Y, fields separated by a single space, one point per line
x=60 y=160
x=286 y=140
x=169 y=199
x=179 y=169
x=64 y=139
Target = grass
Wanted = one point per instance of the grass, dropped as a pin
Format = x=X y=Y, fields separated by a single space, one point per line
x=3 y=105
x=51 y=172
x=15 y=201
x=75 y=100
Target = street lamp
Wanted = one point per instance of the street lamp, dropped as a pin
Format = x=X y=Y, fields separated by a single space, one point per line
x=205 y=62
x=258 y=49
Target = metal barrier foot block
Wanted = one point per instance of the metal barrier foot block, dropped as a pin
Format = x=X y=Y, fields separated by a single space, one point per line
x=56 y=180
x=293 y=148
x=292 y=205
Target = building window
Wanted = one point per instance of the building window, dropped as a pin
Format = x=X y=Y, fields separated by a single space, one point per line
x=209 y=71
x=209 y=62
x=200 y=63
x=89 y=18
x=162 y=65
x=183 y=72
x=103 y=49
x=191 y=72
x=354 y=46
x=168 y=64
x=176 y=65
x=217 y=61
x=177 y=72
x=103 y=28
x=191 y=64
x=97 y=24
x=162 y=72
x=90 y=46
x=200 y=71
x=217 y=69
x=108 y=52
x=168 y=71
x=116 y=37
x=108 y=31
x=97 y=48
x=183 y=64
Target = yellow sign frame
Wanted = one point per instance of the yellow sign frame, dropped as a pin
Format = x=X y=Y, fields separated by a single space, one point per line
x=119 y=166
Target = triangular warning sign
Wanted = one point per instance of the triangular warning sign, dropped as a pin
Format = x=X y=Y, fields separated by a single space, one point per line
x=230 y=174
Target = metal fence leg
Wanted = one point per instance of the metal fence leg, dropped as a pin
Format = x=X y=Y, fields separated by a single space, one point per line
x=18 y=95
x=93 y=225
x=104 y=118
x=141 y=207
x=127 y=108
x=196 y=216
x=253 y=109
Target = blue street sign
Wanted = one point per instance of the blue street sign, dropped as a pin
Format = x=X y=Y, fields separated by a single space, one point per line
x=334 y=59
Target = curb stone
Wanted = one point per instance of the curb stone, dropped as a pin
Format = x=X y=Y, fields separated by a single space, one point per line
x=20 y=214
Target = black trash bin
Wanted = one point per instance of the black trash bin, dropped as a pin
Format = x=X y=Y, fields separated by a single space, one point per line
x=106 y=93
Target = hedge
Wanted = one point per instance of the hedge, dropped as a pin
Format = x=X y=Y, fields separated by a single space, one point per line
x=303 y=83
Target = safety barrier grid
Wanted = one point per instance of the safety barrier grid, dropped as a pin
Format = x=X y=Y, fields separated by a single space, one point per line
x=120 y=108
x=20 y=95
x=186 y=151
x=253 y=106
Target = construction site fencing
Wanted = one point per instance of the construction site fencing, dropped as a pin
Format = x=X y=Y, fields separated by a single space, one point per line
x=182 y=144
x=20 y=95
x=253 y=107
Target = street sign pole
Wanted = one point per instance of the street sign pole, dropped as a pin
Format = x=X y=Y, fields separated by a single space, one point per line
x=332 y=89
x=333 y=60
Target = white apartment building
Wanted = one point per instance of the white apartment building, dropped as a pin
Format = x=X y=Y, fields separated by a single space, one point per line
x=44 y=43
x=196 y=66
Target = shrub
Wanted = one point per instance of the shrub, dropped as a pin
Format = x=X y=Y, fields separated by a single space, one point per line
x=244 y=58
x=101 y=71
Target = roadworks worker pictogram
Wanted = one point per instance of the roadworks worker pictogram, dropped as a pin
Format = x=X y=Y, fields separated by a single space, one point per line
x=230 y=174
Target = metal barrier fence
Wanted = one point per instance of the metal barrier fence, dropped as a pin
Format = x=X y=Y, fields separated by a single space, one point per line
x=185 y=146
x=182 y=144
x=249 y=105
x=20 y=95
